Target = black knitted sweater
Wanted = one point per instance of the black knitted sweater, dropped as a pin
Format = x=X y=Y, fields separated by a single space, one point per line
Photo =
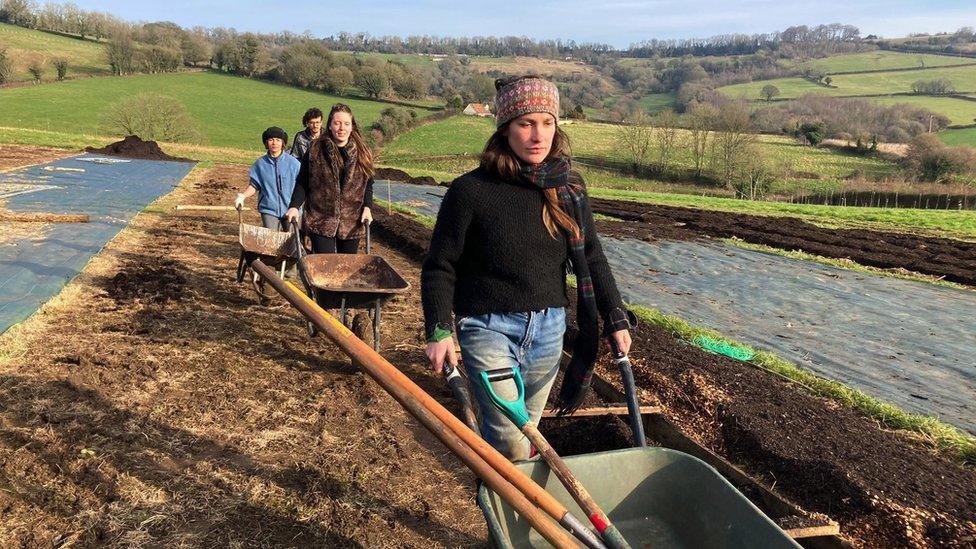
x=491 y=253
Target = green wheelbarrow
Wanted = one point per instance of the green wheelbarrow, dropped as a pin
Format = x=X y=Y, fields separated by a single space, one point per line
x=657 y=497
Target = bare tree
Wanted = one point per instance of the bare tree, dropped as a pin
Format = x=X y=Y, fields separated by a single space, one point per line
x=61 y=65
x=701 y=120
x=756 y=174
x=152 y=117
x=373 y=81
x=6 y=66
x=636 y=137
x=121 y=53
x=666 y=136
x=36 y=68
x=337 y=79
x=18 y=12
x=733 y=137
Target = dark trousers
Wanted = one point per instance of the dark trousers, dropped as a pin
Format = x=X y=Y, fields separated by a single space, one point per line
x=325 y=245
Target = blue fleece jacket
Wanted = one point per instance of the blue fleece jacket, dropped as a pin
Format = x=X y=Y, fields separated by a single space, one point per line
x=274 y=179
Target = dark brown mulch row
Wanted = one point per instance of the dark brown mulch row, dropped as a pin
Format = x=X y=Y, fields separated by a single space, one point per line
x=952 y=259
x=884 y=488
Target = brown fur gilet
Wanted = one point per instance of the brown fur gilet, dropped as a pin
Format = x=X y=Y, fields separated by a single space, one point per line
x=332 y=211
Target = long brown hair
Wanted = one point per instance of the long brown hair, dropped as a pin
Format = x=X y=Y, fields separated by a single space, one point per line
x=500 y=160
x=364 y=158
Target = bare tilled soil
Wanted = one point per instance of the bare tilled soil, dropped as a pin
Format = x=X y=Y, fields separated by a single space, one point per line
x=887 y=489
x=156 y=403
x=19 y=156
x=953 y=260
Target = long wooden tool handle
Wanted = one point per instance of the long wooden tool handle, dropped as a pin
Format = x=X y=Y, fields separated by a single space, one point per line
x=600 y=520
x=496 y=471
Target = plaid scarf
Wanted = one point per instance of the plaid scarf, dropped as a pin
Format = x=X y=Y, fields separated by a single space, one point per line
x=555 y=173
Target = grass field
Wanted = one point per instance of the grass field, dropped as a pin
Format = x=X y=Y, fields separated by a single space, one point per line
x=26 y=45
x=447 y=148
x=657 y=102
x=880 y=60
x=959 y=111
x=962 y=78
x=230 y=111
x=964 y=136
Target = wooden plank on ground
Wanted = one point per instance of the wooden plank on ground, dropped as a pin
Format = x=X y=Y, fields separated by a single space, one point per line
x=605 y=411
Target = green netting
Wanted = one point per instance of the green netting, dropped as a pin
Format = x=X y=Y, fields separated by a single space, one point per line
x=720 y=347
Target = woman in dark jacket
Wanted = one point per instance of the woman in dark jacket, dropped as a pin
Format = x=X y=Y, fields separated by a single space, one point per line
x=335 y=185
x=498 y=259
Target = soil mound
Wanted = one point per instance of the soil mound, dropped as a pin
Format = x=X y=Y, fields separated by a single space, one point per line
x=155 y=284
x=400 y=176
x=134 y=147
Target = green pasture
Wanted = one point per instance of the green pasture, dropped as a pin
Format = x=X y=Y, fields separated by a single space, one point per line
x=962 y=78
x=959 y=111
x=447 y=148
x=880 y=60
x=656 y=102
x=802 y=166
x=964 y=136
x=411 y=60
x=230 y=111
x=26 y=45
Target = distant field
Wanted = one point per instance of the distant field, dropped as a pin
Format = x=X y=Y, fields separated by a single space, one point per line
x=959 y=111
x=407 y=59
x=26 y=45
x=963 y=78
x=881 y=60
x=966 y=136
x=526 y=65
x=230 y=111
x=657 y=102
x=447 y=148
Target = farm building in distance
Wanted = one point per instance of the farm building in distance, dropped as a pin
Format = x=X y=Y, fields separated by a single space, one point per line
x=477 y=109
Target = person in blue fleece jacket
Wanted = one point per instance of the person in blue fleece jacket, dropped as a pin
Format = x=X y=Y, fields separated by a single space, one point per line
x=273 y=177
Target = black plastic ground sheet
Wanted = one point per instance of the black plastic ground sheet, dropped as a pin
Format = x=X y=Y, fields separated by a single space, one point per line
x=909 y=343
x=109 y=190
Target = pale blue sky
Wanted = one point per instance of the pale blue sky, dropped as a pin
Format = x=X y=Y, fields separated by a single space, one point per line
x=615 y=22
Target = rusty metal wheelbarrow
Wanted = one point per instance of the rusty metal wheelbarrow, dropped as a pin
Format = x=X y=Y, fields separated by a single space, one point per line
x=350 y=281
x=273 y=248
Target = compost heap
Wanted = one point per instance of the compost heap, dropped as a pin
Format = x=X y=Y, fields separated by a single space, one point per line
x=134 y=147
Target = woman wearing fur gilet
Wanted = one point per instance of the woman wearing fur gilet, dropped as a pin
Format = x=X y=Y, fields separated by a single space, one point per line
x=335 y=185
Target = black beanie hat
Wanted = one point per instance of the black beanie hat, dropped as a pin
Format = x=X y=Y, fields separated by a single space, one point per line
x=274 y=131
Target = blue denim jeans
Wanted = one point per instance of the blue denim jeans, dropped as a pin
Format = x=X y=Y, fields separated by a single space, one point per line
x=532 y=342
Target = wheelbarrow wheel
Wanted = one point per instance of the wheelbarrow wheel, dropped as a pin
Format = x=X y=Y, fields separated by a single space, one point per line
x=259 y=287
x=362 y=327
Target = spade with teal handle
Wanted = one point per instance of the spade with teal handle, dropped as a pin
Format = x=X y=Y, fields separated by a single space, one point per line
x=516 y=411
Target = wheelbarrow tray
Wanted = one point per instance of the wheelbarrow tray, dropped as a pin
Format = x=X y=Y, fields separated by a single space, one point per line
x=657 y=497
x=266 y=243
x=358 y=278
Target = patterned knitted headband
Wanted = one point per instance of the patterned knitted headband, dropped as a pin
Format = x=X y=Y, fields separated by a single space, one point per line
x=524 y=96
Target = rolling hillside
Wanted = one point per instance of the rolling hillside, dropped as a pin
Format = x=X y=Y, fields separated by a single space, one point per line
x=230 y=111
x=24 y=46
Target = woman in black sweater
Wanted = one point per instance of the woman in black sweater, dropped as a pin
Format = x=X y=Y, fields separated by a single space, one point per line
x=505 y=235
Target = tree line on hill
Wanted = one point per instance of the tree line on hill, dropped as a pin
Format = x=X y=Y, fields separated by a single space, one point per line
x=959 y=42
